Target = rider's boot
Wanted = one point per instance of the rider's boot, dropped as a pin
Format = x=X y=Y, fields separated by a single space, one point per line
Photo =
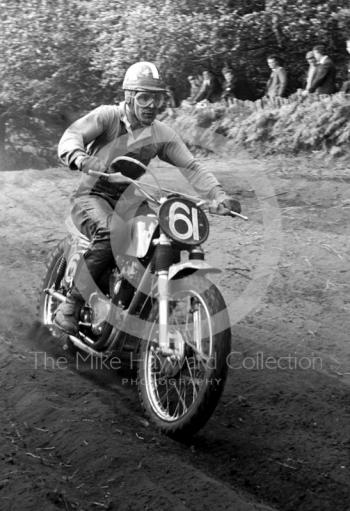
x=91 y=266
x=68 y=312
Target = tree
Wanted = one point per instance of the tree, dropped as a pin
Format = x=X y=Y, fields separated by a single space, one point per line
x=44 y=72
x=61 y=58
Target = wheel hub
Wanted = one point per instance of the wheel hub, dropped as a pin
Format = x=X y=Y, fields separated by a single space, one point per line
x=172 y=361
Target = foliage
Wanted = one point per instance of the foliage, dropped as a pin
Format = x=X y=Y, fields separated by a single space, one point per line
x=45 y=71
x=343 y=19
x=301 y=124
x=61 y=58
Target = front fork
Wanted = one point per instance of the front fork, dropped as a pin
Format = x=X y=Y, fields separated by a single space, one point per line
x=163 y=259
x=163 y=294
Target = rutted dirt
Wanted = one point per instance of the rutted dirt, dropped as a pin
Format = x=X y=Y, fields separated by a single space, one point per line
x=74 y=438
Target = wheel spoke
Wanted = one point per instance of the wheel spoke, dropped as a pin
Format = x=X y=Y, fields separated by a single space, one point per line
x=180 y=400
x=174 y=384
x=195 y=392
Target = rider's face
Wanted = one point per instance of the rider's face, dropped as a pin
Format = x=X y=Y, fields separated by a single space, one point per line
x=146 y=106
x=145 y=115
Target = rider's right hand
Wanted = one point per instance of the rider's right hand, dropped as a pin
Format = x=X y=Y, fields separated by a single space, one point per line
x=92 y=163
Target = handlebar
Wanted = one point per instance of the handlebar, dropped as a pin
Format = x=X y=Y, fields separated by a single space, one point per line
x=197 y=200
x=125 y=178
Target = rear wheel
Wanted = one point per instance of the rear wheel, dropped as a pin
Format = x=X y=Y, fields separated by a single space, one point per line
x=179 y=393
x=47 y=304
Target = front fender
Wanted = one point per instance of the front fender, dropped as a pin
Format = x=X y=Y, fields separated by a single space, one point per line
x=193 y=265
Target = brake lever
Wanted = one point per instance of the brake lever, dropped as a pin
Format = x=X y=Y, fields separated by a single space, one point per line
x=213 y=211
x=234 y=213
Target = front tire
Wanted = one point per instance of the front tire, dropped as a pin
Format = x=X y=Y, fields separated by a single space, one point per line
x=180 y=394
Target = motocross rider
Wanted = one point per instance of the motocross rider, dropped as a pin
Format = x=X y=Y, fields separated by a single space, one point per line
x=92 y=142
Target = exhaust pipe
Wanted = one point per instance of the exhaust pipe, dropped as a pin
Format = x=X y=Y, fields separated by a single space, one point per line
x=84 y=347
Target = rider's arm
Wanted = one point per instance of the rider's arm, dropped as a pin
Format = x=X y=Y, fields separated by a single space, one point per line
x=72 y=146
x=173 y=150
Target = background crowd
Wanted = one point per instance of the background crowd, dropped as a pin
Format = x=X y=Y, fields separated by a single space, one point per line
x=320 y=78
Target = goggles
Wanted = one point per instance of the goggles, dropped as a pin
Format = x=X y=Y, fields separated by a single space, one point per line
x=145 y=99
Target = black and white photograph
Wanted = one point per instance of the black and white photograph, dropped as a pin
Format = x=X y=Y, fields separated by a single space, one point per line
x=175 y=255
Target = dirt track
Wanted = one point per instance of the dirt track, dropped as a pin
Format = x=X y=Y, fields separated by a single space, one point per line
x=75 y=438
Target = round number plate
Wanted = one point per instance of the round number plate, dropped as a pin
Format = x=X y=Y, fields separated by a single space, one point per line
x=183 y=221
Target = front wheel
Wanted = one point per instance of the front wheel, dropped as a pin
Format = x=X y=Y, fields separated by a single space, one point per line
x=180 y=392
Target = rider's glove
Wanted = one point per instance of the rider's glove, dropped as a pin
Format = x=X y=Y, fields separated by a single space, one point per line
x=91 y=163
x=227 y=205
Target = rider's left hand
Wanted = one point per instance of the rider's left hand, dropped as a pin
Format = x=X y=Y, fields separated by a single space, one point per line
x=227 y=205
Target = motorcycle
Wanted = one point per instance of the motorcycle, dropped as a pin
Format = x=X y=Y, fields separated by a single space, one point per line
x=158 y=309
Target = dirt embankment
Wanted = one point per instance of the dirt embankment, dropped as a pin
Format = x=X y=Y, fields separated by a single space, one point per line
x=73 y=434
x=289 y=126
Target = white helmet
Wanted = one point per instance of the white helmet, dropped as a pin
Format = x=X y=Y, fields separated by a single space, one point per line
x=143 y=76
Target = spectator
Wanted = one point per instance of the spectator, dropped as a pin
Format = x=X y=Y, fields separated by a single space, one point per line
x=277 y=83
x=324 y=79
x=170 y=97
x=346 y=85
x=310 y=57
x=207 y=89
x=229 y=83
x=195 y=84
x=169 y=104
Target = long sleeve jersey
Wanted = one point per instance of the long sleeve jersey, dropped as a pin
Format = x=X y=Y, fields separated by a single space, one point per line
x=105 y=133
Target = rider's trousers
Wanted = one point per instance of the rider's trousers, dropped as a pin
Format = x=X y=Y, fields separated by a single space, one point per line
x=104 y=222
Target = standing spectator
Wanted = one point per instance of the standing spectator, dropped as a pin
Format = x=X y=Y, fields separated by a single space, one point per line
x=324 y=79
x=346 y=85
x=228 y=92
x=169 y=104
x=310 y=57
x=207 y=89
x=277 y=83
x=170 y=97
x=195 y=84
